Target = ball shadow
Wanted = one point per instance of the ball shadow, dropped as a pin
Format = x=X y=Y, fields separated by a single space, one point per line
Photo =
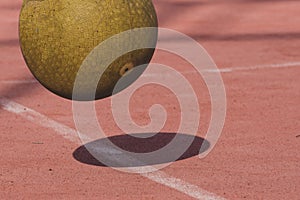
x=137 y=143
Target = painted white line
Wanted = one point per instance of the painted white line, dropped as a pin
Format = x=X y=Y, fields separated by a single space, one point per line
x=36 y=117
x=257 y=67
x=221 y=70
x=39 y=119
x=71 y=135
x=184 y=187
x=235 y=69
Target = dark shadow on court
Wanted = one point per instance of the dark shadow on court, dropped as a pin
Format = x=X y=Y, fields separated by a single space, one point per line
x=11 y=6
x=141 y=146
x=14 y=91
x=10 y=42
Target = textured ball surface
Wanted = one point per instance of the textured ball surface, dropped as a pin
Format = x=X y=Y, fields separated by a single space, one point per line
x=57 y=35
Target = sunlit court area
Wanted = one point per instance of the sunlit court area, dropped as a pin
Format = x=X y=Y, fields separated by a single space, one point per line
x=141 y=99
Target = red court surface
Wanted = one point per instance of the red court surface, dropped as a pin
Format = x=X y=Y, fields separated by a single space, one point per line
x=255 y=43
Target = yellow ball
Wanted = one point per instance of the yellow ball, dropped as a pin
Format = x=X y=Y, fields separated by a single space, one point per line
x=57 y=35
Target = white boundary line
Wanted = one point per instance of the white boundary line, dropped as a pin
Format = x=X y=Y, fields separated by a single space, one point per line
x=221 y=70
x=256 y=67
x=71 y=135
x=240 y=68
x=39 y=119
